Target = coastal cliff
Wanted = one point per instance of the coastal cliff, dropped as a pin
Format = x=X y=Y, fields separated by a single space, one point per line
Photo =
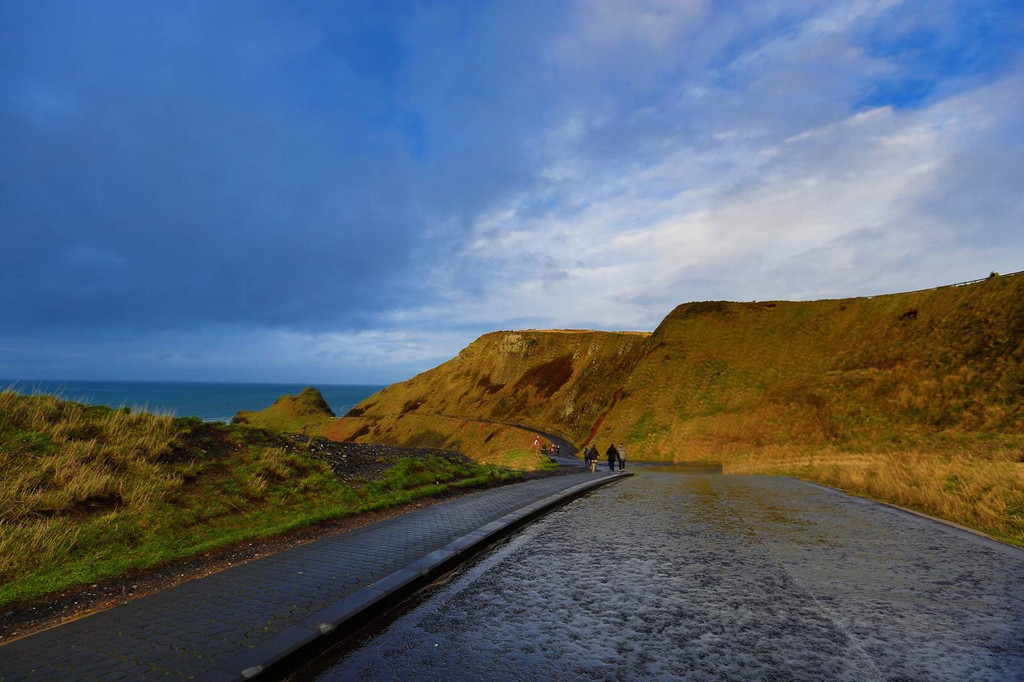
x=557 y=381
x=914 y=398
x=718 y=379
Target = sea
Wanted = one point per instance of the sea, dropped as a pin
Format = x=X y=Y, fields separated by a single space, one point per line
x=214 y=402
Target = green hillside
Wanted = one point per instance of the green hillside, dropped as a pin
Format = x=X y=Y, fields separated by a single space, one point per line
x=302 y=413
x=87 y=492
x=916 y=398
x=560 y=381
x=939 y=367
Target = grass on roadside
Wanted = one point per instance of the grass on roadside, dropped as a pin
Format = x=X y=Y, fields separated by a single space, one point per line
x=521 y=459
x=89 y=492
x=985 y=493
x=485 y=442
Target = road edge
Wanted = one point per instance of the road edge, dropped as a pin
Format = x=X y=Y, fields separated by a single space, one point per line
x=276 y=655
x=914 y=512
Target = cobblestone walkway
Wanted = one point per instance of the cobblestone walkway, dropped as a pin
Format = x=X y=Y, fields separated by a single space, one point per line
x=670 y=576
x=191 y=631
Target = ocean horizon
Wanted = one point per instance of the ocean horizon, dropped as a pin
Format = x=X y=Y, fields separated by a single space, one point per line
x=210 y=401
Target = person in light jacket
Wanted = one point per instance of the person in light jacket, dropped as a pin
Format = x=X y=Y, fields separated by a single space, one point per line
x=622 y=456
x=613 y=455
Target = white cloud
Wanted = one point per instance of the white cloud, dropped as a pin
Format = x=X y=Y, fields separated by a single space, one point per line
x=518 y=165
x=649 y=25
x=838 y=209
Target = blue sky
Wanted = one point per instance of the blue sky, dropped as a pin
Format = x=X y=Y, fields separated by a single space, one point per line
x=352 y=192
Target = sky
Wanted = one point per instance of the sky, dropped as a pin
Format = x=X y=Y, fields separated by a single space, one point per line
x=352 y=192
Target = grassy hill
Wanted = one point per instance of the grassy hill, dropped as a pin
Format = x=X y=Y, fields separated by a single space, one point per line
x=916 y=398
x=560 y=381
x=306 y=412
x=479 y=402
x=934 y=367
x=88 y=492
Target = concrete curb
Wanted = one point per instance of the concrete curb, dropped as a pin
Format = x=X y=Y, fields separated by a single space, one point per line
x=317 y=632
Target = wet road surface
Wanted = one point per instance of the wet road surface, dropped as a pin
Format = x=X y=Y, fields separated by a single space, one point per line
x=707 y=577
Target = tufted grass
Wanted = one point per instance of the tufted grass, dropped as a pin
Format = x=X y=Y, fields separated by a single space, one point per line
x=981 y=492
x=90 y=492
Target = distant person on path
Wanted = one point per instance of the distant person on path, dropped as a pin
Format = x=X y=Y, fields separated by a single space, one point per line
x=622 y=456
x=537 y=444
x=593 y=458
x=613 y=455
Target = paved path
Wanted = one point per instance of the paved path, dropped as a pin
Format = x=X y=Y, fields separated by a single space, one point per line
x=209 y=628
x=702 y=577
x=566 y=457
x=567 y=450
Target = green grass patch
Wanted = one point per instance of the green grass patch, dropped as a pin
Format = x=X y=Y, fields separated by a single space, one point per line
x=91 y=493
x=523 y=460
x=306 y=412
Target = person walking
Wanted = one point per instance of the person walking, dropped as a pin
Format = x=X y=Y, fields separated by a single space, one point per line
x=586 y=457
x=622 y=456
x=613 y=455
x=593 y=458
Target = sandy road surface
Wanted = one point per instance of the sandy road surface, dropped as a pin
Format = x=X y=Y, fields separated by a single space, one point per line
x=704 y=577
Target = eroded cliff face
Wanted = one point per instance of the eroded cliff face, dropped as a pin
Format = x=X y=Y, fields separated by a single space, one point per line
x=559 y=381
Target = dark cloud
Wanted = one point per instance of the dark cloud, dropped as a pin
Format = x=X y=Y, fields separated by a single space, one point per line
x=177 y=165
x=203 y=189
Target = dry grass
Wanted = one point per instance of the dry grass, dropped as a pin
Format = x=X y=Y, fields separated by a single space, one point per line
x=305 y=413
x=562 y=379
x=483 y=442
x=986 y=493
x=58 y=457
x=88 y=492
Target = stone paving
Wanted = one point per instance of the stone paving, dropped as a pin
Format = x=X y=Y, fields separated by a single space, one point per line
x=198 y=630
x=672 y=576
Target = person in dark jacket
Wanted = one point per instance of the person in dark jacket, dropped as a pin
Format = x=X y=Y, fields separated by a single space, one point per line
x=613 y=456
